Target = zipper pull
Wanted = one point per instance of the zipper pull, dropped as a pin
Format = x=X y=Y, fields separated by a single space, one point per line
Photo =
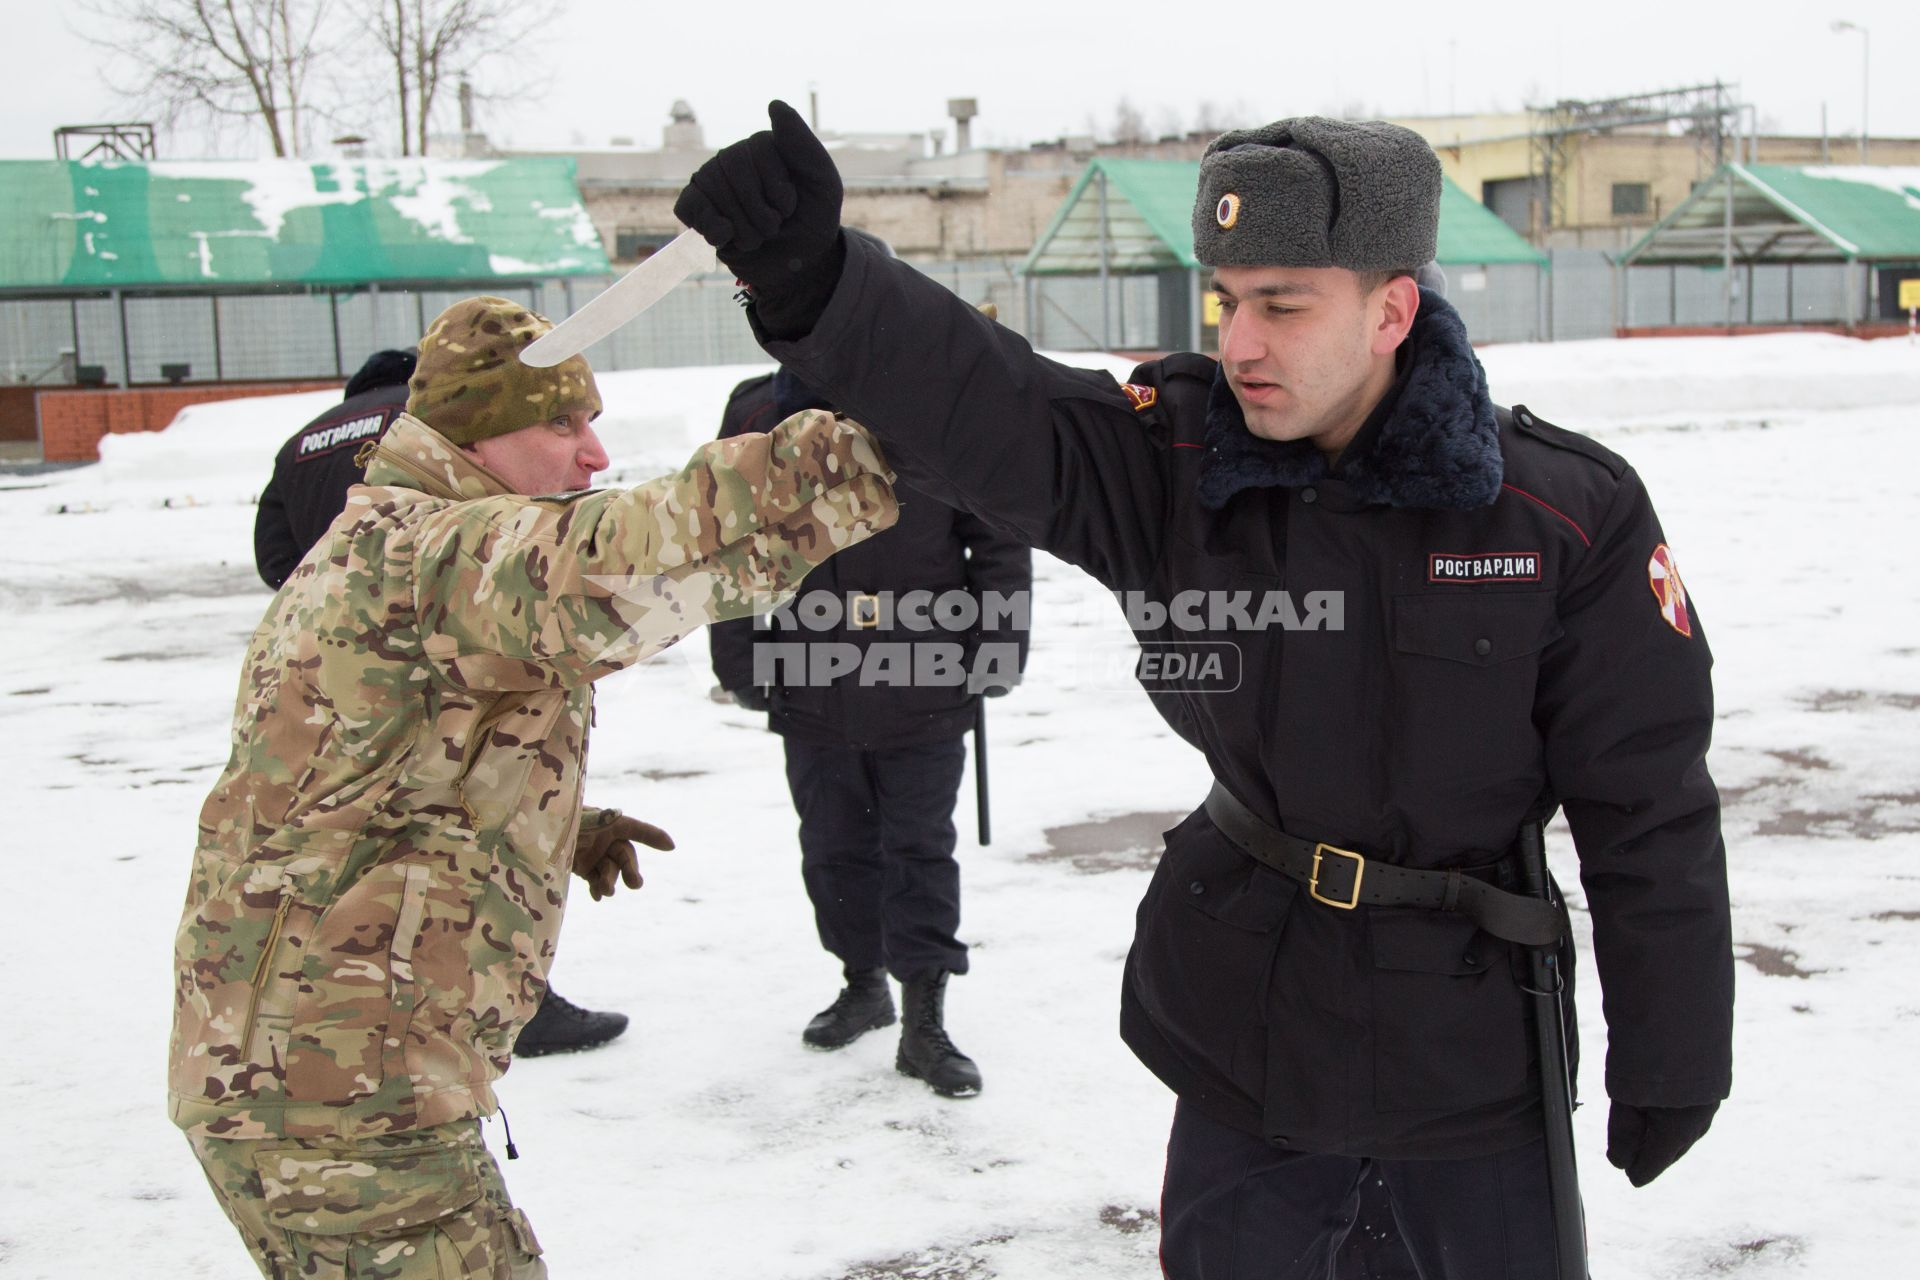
x=513 y=1152
x=273 y=936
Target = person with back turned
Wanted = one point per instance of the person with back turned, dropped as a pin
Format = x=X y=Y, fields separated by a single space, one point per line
x=875 y=753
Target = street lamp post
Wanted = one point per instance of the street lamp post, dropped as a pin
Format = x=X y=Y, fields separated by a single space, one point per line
x=1843 y=25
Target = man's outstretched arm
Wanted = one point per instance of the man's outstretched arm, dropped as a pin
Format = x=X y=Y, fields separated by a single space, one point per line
x=967 y=410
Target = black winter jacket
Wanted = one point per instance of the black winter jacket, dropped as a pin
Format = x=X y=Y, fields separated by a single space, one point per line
x=932 y=549
x=311 y=476
x=1505 y=646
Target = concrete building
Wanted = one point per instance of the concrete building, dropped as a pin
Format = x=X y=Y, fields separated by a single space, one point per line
x=1598 y=175
x=930 y=204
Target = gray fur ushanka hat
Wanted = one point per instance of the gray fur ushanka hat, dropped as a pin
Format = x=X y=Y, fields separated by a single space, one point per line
x=1311 y=192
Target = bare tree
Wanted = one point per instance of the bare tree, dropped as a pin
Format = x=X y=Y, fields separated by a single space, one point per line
x=1129 y=127
x=1211 y=117
x=432 y=44
x=224 y=59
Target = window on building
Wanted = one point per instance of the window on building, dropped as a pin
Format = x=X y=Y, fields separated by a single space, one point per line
x=1632 y=198
x=631 y=246
x=1515 y=201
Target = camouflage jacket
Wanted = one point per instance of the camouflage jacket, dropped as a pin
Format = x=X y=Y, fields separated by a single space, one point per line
x=382 y=867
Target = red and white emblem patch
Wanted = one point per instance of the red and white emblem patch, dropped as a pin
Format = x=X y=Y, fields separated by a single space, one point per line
x=1664 y=576
x=1141 y=398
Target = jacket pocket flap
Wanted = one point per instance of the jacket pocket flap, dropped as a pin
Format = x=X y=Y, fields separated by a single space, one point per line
x=1211 y=875
x=1480 y=630
x=1418 y=941
x=338 y=1193
x=1253 y=898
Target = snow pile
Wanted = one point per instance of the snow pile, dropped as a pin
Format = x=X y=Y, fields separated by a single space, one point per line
x=1670 y=381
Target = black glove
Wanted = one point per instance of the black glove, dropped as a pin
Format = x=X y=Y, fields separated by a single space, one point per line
x=1645 y=1141
x=1000 y=688
x=753 y=697
x=770 y=206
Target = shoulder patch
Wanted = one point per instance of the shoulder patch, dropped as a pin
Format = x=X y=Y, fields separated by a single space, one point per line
x=1533 y=426
x=1663 y=575
x=1141 y=397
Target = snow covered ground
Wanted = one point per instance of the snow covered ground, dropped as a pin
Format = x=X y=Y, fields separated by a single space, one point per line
x=708 y=1144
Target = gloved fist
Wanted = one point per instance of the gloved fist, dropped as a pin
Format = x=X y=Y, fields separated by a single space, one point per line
x=1645 y=1141
x=770 y=206
x=603 y=853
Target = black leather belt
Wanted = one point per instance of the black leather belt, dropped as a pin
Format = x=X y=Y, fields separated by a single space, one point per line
x=1345 y=879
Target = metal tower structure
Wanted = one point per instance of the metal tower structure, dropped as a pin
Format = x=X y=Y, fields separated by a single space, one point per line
x=1709 y=112
x=109 y=142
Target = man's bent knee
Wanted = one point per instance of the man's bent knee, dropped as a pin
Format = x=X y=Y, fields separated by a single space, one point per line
x=428 y=1205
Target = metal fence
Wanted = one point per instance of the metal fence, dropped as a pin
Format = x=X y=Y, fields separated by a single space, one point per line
x=323 y=334
x=1817 y=293
x=327 y=334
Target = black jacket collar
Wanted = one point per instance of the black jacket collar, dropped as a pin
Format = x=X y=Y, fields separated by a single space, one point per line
x=1432 y=441
x=790 y=395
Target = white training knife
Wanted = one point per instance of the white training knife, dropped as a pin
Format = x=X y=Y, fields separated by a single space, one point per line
x=685 y=255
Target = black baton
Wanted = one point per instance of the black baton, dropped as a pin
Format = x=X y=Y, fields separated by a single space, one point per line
x=980 y=768
x=1556 y=1082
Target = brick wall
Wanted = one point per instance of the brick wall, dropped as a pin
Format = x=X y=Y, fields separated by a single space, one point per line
x=16 y=414
x=1868 y=332
x=72 y=422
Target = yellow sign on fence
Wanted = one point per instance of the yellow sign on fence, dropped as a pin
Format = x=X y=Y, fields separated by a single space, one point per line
x=1910 y=295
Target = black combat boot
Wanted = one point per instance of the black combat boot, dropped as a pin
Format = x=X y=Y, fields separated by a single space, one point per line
x=561 y=1026
x=862 y=1005
x=925 y=1052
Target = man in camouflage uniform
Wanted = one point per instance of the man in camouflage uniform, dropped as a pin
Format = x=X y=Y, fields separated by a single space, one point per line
x=382 y=867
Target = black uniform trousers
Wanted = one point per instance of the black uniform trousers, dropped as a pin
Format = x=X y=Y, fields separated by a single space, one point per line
x=876 y=852
x=1235 y=1207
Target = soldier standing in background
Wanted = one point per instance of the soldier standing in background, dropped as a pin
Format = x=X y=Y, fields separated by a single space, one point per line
x=382 y=867
x=874 y=762
x=306 y=494
x=316 y=466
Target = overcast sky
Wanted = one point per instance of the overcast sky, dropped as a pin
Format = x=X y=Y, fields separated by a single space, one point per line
x=614 y=67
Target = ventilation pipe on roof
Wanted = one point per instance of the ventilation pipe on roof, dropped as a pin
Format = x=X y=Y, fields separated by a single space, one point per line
x=963 y=110
x=683 y=130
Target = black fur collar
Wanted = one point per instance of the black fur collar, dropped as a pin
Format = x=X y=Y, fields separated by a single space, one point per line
x=1438 y=445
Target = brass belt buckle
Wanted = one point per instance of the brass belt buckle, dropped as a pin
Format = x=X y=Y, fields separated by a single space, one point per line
x=1359 y=873
x=863 y=610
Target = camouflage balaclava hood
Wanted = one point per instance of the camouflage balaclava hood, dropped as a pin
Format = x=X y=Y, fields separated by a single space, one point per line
x=470 y=384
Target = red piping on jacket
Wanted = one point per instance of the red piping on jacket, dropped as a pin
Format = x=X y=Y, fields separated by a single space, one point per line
x=1550 y=507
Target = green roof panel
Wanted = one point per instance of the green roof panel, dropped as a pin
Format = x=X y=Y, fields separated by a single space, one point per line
x=210 y=225
x=1875 y=208
x=1778 y=213
x=1473 y=235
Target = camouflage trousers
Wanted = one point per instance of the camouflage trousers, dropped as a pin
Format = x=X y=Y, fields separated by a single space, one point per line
x=424 y=1205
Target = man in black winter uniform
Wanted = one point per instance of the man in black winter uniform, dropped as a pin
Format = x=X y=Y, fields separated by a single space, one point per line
x=875 y=753
x=313 y=470
x=1448 y=619
x=311 y=476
